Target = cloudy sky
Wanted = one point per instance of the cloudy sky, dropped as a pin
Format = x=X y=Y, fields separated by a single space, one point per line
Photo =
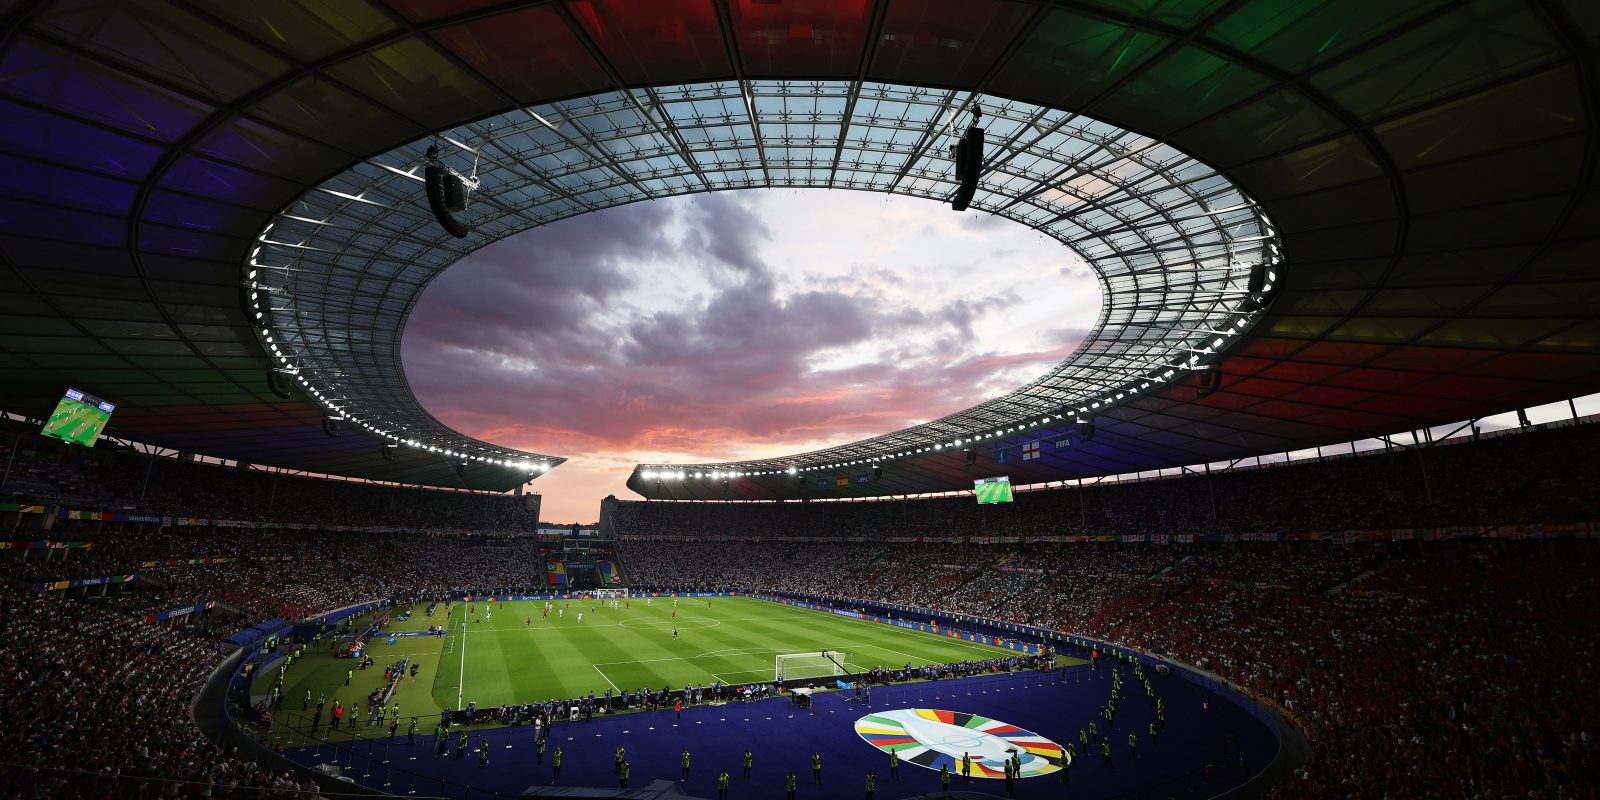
x=736 y=325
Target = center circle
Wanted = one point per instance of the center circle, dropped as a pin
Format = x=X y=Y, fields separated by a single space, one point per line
x=688 y=622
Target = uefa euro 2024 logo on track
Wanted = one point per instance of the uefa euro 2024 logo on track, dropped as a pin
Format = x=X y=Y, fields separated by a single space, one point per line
x=932 y=738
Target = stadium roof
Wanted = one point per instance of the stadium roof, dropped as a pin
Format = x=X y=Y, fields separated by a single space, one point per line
x=1426 y=168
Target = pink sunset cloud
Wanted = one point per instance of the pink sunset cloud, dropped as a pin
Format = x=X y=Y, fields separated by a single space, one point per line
x=677 y=331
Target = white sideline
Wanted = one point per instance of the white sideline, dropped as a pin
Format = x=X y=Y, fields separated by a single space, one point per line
x=461 y=680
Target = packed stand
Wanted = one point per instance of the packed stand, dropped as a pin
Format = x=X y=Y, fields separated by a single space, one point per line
x=99 y=702
x=1414 y=669
x=109 y=478
x=1539 y=477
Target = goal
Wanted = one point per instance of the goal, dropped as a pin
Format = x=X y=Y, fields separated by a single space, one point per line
x=810 y=666
x=609 y=594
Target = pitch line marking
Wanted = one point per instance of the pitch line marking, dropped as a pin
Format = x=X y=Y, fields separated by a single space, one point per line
x=604 y=678
x=714 y=654
x=936 y=637
x=897 y=652
x=650 y=624
x=525 y=629
x=891 y=626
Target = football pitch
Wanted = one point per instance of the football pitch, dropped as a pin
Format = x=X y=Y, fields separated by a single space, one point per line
x=518 y=655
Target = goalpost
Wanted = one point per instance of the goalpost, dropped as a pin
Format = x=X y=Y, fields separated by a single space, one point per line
x=810 y=666
x=609 y=594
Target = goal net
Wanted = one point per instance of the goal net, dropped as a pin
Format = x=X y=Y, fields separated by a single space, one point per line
x=609 y=594
x=810 y=666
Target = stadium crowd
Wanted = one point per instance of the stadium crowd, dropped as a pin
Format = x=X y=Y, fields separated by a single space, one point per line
x=97 y=705
x=1541 y=476
x=284 y=574
x=113 y=479
x=1457 y=669
x=1411 y=667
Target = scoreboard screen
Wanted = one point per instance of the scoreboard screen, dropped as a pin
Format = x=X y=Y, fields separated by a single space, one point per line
x=79 y=418
x=992 y=490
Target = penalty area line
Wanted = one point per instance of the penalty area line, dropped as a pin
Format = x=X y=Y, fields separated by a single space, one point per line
x=604 y=678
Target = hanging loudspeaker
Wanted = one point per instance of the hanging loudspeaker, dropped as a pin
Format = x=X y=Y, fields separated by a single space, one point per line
x=1258 y=278
x=280 y=384
x=1210 y=381
x=446 y=194
x=969 y=167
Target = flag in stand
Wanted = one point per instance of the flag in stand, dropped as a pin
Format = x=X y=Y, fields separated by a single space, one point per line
x=1030 y=451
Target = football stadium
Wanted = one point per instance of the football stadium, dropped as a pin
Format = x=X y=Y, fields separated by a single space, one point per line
x=898 y=399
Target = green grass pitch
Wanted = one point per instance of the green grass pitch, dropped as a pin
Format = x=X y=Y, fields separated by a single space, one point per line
x=729 y=639
x=508 y=659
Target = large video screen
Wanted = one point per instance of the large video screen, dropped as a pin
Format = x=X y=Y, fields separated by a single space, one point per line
x=79 y=418
x=992 y=490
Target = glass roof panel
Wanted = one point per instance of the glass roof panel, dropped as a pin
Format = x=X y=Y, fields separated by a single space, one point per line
x=1070 y=58
x=1298 y=34
x=307 y=31
x=530 y=53
x=1175 y=12
x=411 y=77
x=655 y=41
x=1488 y=39
x=1171 y=239
x=808 y=37
x=167 y=42
x=944 y=42
x=71 y=84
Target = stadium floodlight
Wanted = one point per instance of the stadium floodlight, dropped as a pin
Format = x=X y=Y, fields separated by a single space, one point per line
x=792 y=470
